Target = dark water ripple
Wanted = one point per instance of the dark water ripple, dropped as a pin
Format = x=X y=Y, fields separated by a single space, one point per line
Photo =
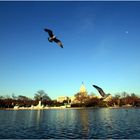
x=70 y=124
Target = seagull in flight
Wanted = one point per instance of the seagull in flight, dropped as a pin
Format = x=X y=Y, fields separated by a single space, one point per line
x=52 y=37
x=102 y=93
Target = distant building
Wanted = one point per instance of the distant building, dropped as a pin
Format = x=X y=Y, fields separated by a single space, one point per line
x=72 y=99
x=16 y=107
x=83 y=89
x=62 y=98
x=39 y=106
x=93 y=96
x=82 y=92
x=107 y=99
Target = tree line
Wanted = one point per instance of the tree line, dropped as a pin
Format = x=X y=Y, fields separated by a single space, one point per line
x=23 y=101
x=123 y=99
x=82 y=100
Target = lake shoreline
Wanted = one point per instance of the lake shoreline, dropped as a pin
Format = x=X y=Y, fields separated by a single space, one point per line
x=60 y=108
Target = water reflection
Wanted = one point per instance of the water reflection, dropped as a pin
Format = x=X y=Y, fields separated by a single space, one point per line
x=38 y=116
x=70 y=124
x=84 y=120
x=106 y=116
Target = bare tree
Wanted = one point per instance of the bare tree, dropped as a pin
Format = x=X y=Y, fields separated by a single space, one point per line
x=14 y=96
x=124 y=94
x=21 y=97
x=41 y=95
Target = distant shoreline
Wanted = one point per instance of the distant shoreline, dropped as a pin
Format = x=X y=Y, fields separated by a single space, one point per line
x=49 y=108
x=59 y=108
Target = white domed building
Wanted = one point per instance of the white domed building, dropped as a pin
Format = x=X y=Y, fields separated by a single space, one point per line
x=82 y=92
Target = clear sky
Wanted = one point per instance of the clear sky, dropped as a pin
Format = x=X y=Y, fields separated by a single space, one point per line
x=101 y=46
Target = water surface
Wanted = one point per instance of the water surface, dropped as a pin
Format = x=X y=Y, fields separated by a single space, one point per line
x=70 y=123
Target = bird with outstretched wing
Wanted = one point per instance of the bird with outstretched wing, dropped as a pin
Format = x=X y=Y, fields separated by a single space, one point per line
x=100 y=90
x=52 y=37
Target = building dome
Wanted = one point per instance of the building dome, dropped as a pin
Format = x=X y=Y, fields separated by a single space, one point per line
x=83 y=88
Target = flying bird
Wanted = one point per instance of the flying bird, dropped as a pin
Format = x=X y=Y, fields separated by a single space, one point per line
x=52 y=38
x=102 y=93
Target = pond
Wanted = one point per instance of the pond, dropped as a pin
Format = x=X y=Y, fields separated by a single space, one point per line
x=70 y=123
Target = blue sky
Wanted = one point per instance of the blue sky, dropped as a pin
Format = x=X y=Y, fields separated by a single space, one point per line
x=101 y=46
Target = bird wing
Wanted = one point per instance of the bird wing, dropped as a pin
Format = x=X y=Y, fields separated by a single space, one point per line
x=100 y=90
x=58 y=42
x=49 y=32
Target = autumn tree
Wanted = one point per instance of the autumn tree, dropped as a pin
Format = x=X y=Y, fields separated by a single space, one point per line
x=82 y=97
x=92 y=102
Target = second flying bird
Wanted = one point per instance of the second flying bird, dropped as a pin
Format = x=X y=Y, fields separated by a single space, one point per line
x=52 y=37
